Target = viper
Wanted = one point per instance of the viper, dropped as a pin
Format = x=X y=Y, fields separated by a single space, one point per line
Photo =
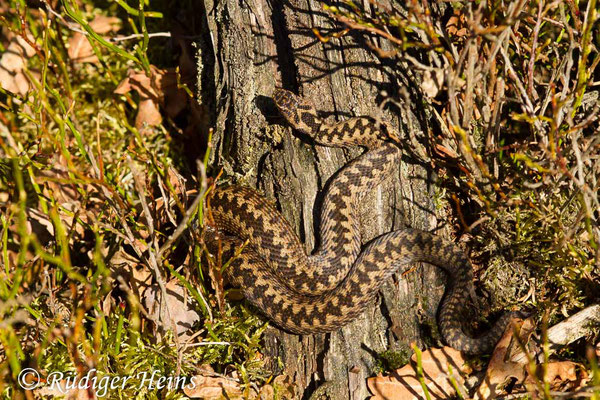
x=322 y=292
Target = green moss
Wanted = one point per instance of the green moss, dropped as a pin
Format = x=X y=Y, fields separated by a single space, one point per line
x=391 y=360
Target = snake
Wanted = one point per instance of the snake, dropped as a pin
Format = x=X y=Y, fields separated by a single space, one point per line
x=321 y=292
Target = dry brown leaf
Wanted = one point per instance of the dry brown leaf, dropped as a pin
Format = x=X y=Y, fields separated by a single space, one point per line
x=403 y=384
x=456 y=24
x=160 y=88
x=107 y=304
x=508 y=360
x=432 y=82
x=12 y=64
x=266 y=393
x=564 y=371
x=39 y=224
x=148 y=114
x=563 y=375
x=138 y=275
x=179 y=309
x=151 y=96
x=121 y=259
x=209 y=388
x=80 y=49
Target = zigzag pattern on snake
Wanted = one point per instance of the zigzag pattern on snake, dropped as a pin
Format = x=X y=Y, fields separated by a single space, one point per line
x=321 y=292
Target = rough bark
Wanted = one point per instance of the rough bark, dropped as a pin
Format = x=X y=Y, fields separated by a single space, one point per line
x=247 y=49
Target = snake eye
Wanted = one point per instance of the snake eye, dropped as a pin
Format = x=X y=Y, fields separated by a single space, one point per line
x=284 y=99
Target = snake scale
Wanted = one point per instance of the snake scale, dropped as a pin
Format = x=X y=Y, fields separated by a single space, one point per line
x=321 y=292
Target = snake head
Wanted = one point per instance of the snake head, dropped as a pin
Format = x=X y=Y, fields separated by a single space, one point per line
x=299 y=113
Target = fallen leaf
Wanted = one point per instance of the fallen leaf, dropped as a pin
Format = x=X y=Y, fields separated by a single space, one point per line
x=183 y=314
x=404 y=384
x=209 y=388
x=508 y=360
x=107 y=304
x=456 y=25
x=266 y=392
x=12 y=64
x=432 y=82
x=563 y=370
x=79 y=47
x=563 y=375
x=148 y=114
x=155 y=90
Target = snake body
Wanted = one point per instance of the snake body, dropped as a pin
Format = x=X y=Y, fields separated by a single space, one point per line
x=321 y=292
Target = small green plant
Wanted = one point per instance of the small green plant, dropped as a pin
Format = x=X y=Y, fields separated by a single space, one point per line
x=390 y=360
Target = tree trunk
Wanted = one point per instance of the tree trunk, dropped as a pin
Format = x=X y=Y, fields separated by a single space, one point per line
x=248 y=48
